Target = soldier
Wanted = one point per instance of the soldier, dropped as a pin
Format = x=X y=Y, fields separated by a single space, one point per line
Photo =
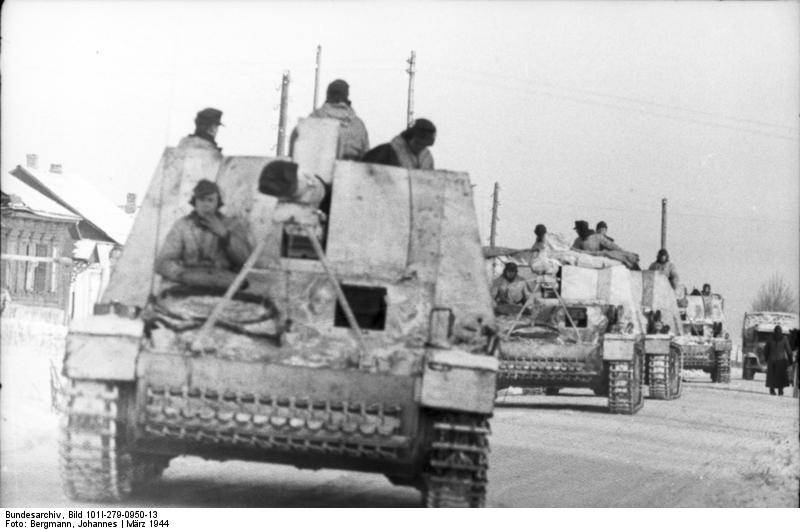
x=599 y=245
x=540 y=245
x=509 y=289
x=778 y=354
x=409 y=149
x=207 y=123
x=204 y=248
x=353 y=138
x=663 y=264
x=602 y=228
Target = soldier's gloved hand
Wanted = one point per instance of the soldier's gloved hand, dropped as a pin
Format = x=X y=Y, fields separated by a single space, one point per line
x=215 y=226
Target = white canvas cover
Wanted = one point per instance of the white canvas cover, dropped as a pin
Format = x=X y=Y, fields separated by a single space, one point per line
x=766 y=321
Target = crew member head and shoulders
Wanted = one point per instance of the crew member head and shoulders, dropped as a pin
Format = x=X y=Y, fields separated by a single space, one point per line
x=410 y=149
x=206 y=125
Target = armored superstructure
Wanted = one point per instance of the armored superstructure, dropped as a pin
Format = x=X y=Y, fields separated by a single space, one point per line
x=582 y=327
x=706 y=344
x=363 y=339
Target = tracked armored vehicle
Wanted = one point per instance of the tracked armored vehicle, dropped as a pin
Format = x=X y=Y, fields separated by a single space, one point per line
x=367 y=349
x=757 y=327
x=705 y=344
x=582 y=328
x=663 y=359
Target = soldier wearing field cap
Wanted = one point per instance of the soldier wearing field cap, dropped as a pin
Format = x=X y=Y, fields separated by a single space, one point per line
x=353 y=138
x=409 y=149
x=206 y=125
x=204 y=248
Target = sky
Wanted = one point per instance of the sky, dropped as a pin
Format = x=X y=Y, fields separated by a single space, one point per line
x=579 y=110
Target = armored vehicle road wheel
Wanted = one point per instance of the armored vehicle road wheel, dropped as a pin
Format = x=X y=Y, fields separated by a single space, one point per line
x=95 y=465
x=457 y=460
x=721 y=372
x=625 y=386
x=665 y=375
x=747 y=372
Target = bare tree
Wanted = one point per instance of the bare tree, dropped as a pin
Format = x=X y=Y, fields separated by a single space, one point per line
x=775 y=295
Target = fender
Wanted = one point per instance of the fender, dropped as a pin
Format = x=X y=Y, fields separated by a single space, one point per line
x=621 y=348
x=103 y=347
x=657 y=344
x=457 y=380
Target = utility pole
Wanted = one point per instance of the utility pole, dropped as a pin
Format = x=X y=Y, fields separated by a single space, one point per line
x=316 y=78
x=493 y=230
x=411 y=71
x=663 y=223
x=282 y=120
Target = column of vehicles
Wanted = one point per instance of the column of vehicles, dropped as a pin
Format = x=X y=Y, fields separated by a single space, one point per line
x=589 y=323
x=361 y=339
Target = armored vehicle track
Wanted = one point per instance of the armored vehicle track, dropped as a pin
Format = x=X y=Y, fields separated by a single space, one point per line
x=721 y=371
x=664 y=375
x=95 y=465
x=457 y=461
x=625 y=394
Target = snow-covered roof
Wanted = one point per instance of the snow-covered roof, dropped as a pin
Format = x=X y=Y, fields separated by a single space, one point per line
x=84 y=249
x=79 y=197
x=26 y=199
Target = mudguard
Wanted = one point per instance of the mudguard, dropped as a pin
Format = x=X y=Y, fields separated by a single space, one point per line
x=457 y=380
x=103 y=347
x=619 y=348
x=657 y=344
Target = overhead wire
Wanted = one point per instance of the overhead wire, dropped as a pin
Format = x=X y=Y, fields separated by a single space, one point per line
x=585 y=101
x=629 y=99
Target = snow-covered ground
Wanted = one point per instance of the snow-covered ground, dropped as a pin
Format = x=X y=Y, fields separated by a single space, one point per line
x=718 y=445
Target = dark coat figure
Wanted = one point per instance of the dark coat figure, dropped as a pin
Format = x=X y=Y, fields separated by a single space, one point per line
x=777 y=353
x=409 y=149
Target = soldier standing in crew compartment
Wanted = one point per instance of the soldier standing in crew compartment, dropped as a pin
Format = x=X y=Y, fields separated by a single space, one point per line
x=540 y=245
x=663 y=264
x=409 y=149
x=353 y=138
x=509 y=287
x=204 y=248
x=206 y=123
x=777 y=353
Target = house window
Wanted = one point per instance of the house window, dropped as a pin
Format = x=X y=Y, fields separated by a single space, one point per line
x=41 y=273
x=368 y=305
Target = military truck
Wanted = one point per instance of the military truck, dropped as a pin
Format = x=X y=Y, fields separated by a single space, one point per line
x=757 y=327
x=583 y=328
x=663 y=359
x=705 y=344
x=367 y=349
